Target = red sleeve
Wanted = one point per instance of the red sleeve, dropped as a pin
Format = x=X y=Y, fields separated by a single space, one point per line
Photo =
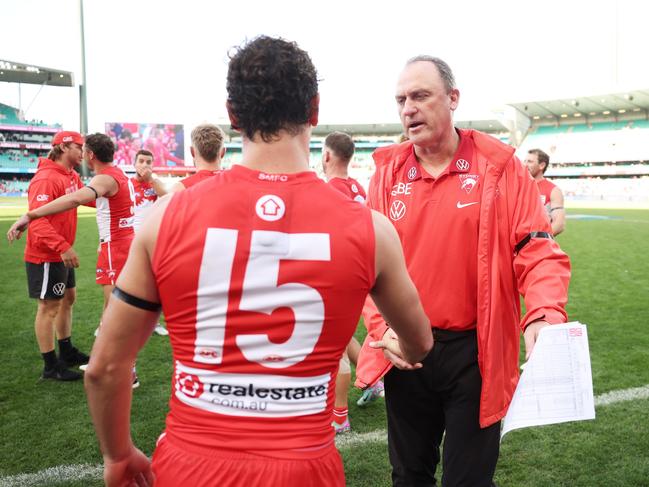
x=42 y=233
x=542 y=269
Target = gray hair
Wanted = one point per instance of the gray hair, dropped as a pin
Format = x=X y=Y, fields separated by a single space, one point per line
x=443 y=68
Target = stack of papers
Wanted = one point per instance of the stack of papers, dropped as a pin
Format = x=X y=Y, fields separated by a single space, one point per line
x=556 y=385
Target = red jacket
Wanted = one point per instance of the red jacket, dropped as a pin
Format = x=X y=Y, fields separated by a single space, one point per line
x=510 y=210
x=49 y=237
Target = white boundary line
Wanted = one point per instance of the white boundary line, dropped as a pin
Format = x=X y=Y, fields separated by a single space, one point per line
x=67 y=473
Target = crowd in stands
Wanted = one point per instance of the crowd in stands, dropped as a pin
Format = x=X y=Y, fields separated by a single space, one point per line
x=16 y=185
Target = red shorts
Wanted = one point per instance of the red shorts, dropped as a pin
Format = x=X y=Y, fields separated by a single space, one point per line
x=174 y=465
x=110 y=261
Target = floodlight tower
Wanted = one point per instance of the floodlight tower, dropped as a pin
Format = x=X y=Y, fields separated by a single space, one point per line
x=83 y=102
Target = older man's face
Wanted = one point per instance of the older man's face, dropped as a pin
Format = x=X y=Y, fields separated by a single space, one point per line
x=425 y=105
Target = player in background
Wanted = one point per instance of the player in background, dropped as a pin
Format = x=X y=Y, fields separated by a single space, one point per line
x=50 y=258
x=337 y=152
x=147 y=190
x=261 y=298
x=537 y=163
x=207 y=150
x=112 y=192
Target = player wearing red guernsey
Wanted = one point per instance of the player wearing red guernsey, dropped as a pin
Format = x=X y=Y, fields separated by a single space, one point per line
x=537 y=163
x=146 y=189
x=207 y=151
x=261 y=297
x=337 y=152
x=115 y=202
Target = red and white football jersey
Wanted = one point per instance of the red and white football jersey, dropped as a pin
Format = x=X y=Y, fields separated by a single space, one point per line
x=115 y=214
x=349 y=187
x=145 y=196
x=545 y=189
x=197 y=177
x=262 y=278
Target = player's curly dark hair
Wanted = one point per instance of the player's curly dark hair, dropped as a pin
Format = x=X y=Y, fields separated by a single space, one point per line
x=102 y=146
x=271 y=84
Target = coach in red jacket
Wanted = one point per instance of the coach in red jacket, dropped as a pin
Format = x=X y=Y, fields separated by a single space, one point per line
x=474 y=236
x=50 y=258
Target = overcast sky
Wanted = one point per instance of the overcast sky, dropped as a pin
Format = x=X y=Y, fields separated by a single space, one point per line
x=165 y=61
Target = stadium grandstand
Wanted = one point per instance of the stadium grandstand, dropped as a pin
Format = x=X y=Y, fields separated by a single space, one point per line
x=597 y=145
x=22 y=142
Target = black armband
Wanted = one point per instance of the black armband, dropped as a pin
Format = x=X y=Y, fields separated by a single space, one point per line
x=135 y=301
x=556 y=208
x=529 y=237
x=93 y=190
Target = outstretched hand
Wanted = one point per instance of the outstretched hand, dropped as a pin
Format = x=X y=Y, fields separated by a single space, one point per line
x=17 y=229
x=392 y=351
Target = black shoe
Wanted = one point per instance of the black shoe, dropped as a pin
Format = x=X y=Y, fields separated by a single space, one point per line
x=61 y=372
x=74 y=357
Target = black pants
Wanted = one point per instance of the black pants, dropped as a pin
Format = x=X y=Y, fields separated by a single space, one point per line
x=443 y=396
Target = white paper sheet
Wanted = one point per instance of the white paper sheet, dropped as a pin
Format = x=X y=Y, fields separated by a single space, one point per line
x=556 y=385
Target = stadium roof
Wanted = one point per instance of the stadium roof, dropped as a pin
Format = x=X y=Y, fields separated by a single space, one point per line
x=613 y=104
x=12 y=72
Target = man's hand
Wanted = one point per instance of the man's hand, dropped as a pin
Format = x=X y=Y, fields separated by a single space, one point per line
x=70 y=258
x=146 y=173
x=18 y=228
x=134 y=470
x=392 y=351
x=530 y=335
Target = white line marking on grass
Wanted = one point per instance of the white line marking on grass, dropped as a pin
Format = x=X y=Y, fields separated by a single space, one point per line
x=348 y=440
x=54 y=475
x=67 y=473
x=622 y=396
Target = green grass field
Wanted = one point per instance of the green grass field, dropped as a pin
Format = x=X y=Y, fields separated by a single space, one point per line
x=46 y=424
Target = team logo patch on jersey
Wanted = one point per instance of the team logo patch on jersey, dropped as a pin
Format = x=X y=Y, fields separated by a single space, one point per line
x=42 y=197
x=59 y=288
x=468 y=182
x=412 y=173
x=270 y=207
x=126 y=222
x=397 y=210
x=354 y=188
x=462 y=165
x=149 y=192
x=189 y=384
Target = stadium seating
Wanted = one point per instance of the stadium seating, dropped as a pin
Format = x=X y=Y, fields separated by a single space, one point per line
x=603 y=142
x=9 y=115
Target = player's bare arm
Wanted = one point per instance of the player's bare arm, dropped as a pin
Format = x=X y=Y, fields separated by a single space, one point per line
x=557 y=211
x=159 y=187
x=177 y=187
x=126 y=326
x=100 y=185
x=409 y=339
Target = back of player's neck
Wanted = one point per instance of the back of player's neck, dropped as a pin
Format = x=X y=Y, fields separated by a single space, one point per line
x=102 y=166
x=281 y=156
x=339 y=172
x=207 y=166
